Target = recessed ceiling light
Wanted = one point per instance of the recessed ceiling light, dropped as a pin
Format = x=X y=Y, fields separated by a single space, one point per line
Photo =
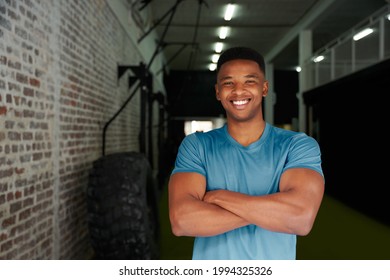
x=229 y=12
x=212 y=66
x=362 y=34
x=223 y=31
x=215 y=58
x=218 y=47
x=318 y=58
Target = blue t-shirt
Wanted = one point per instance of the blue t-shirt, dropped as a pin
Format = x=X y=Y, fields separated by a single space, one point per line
x=253 y=170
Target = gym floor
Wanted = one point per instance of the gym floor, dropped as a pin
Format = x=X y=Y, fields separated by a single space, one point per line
x=339 y=233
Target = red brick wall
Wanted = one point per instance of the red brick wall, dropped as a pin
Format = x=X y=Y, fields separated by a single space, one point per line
x=58 y=87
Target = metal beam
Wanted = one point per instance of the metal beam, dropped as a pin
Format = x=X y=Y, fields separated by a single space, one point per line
x=318 y=10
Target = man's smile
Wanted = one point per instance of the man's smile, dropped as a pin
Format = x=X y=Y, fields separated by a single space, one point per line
x=240 y=103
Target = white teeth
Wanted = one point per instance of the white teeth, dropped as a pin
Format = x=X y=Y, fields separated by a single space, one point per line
x=240 y=102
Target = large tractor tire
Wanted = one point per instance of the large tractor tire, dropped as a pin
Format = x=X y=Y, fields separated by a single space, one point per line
x=122 y=208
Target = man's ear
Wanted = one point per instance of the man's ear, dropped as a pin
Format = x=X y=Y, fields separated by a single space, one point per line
x=265 y=88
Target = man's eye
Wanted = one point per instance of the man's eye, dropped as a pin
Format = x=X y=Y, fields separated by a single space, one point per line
x=227 y=83
x=251 y=82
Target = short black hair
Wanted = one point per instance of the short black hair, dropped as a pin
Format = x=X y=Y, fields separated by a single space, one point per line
x=241 y=53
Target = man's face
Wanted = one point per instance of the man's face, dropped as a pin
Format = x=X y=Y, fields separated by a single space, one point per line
x=240 y=87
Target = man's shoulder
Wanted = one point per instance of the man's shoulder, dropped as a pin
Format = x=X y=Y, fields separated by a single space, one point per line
x=205 y=138
x=283 y=135
x=210 y=134
x=287 y=133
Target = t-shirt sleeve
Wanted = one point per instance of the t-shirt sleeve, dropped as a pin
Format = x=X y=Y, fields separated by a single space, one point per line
x=189 y=156
x=304 y=153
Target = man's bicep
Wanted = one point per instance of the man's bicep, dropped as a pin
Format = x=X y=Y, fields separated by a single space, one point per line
x=308 y=183
x=186 y=192
x=184 y=185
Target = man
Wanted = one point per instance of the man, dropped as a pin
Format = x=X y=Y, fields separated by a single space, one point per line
x=247 y=189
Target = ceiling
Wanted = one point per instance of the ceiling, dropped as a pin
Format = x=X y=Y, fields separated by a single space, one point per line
x=270 y=26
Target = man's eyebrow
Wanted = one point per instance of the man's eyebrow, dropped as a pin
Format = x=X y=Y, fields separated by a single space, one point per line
x=252 y=76
x=249 y=76
x=225 y=78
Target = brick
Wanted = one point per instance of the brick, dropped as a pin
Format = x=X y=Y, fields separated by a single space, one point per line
x=37 y=156
x=25 y=158
x=9 y=124
x=10 y=196
x=20 y=183
x=3 y=237
x=28 y=113
x=6 y=246
x=27 y=46
x=12 y=254
x=17 y=100
x=46 y=244
x=37 y=207
x=21 y=78
x=11 y=3
x=15 y=207
x=3 y=187
x=24 y=214
x=3 y=110
x=5 y=23
x=28 y=92
x=40 y=197
x=35 y=82
x=19 y=171
x=8 y=222
x=27 y=135
x=3 y=60
x=14 y=87
x=31 y=16
x=39 y=115
x=7 y=172
x=14 y=16
x=7 y=151
x=29 y=190
x=14 y=65
x=18 y=194
x=38 y=73
x=14 y=136
x=28 y=202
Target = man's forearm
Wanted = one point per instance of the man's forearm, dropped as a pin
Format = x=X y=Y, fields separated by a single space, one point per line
x=275 y=212
x=200 y=218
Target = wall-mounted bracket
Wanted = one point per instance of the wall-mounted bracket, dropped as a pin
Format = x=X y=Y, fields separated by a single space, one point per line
x=139 y=71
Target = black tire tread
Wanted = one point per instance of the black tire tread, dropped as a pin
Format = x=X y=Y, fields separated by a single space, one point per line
x=121 y=202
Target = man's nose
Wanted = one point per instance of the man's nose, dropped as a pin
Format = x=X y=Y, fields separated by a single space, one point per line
x=238 y=88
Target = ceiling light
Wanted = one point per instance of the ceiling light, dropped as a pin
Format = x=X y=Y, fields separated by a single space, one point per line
x=318 y=58
x=362 y=34
x=388 y=16
x=223 y=32
x=212 y=66
x=218 y=47
x=229 y=12
x=298 y=69
x=215 y=58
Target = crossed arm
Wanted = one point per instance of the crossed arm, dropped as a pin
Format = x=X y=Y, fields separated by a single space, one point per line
x=195 y=212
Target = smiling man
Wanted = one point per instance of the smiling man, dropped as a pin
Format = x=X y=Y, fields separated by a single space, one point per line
x=246 y=190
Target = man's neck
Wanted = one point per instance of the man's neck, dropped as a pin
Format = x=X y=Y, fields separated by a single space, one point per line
x=246 y=133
